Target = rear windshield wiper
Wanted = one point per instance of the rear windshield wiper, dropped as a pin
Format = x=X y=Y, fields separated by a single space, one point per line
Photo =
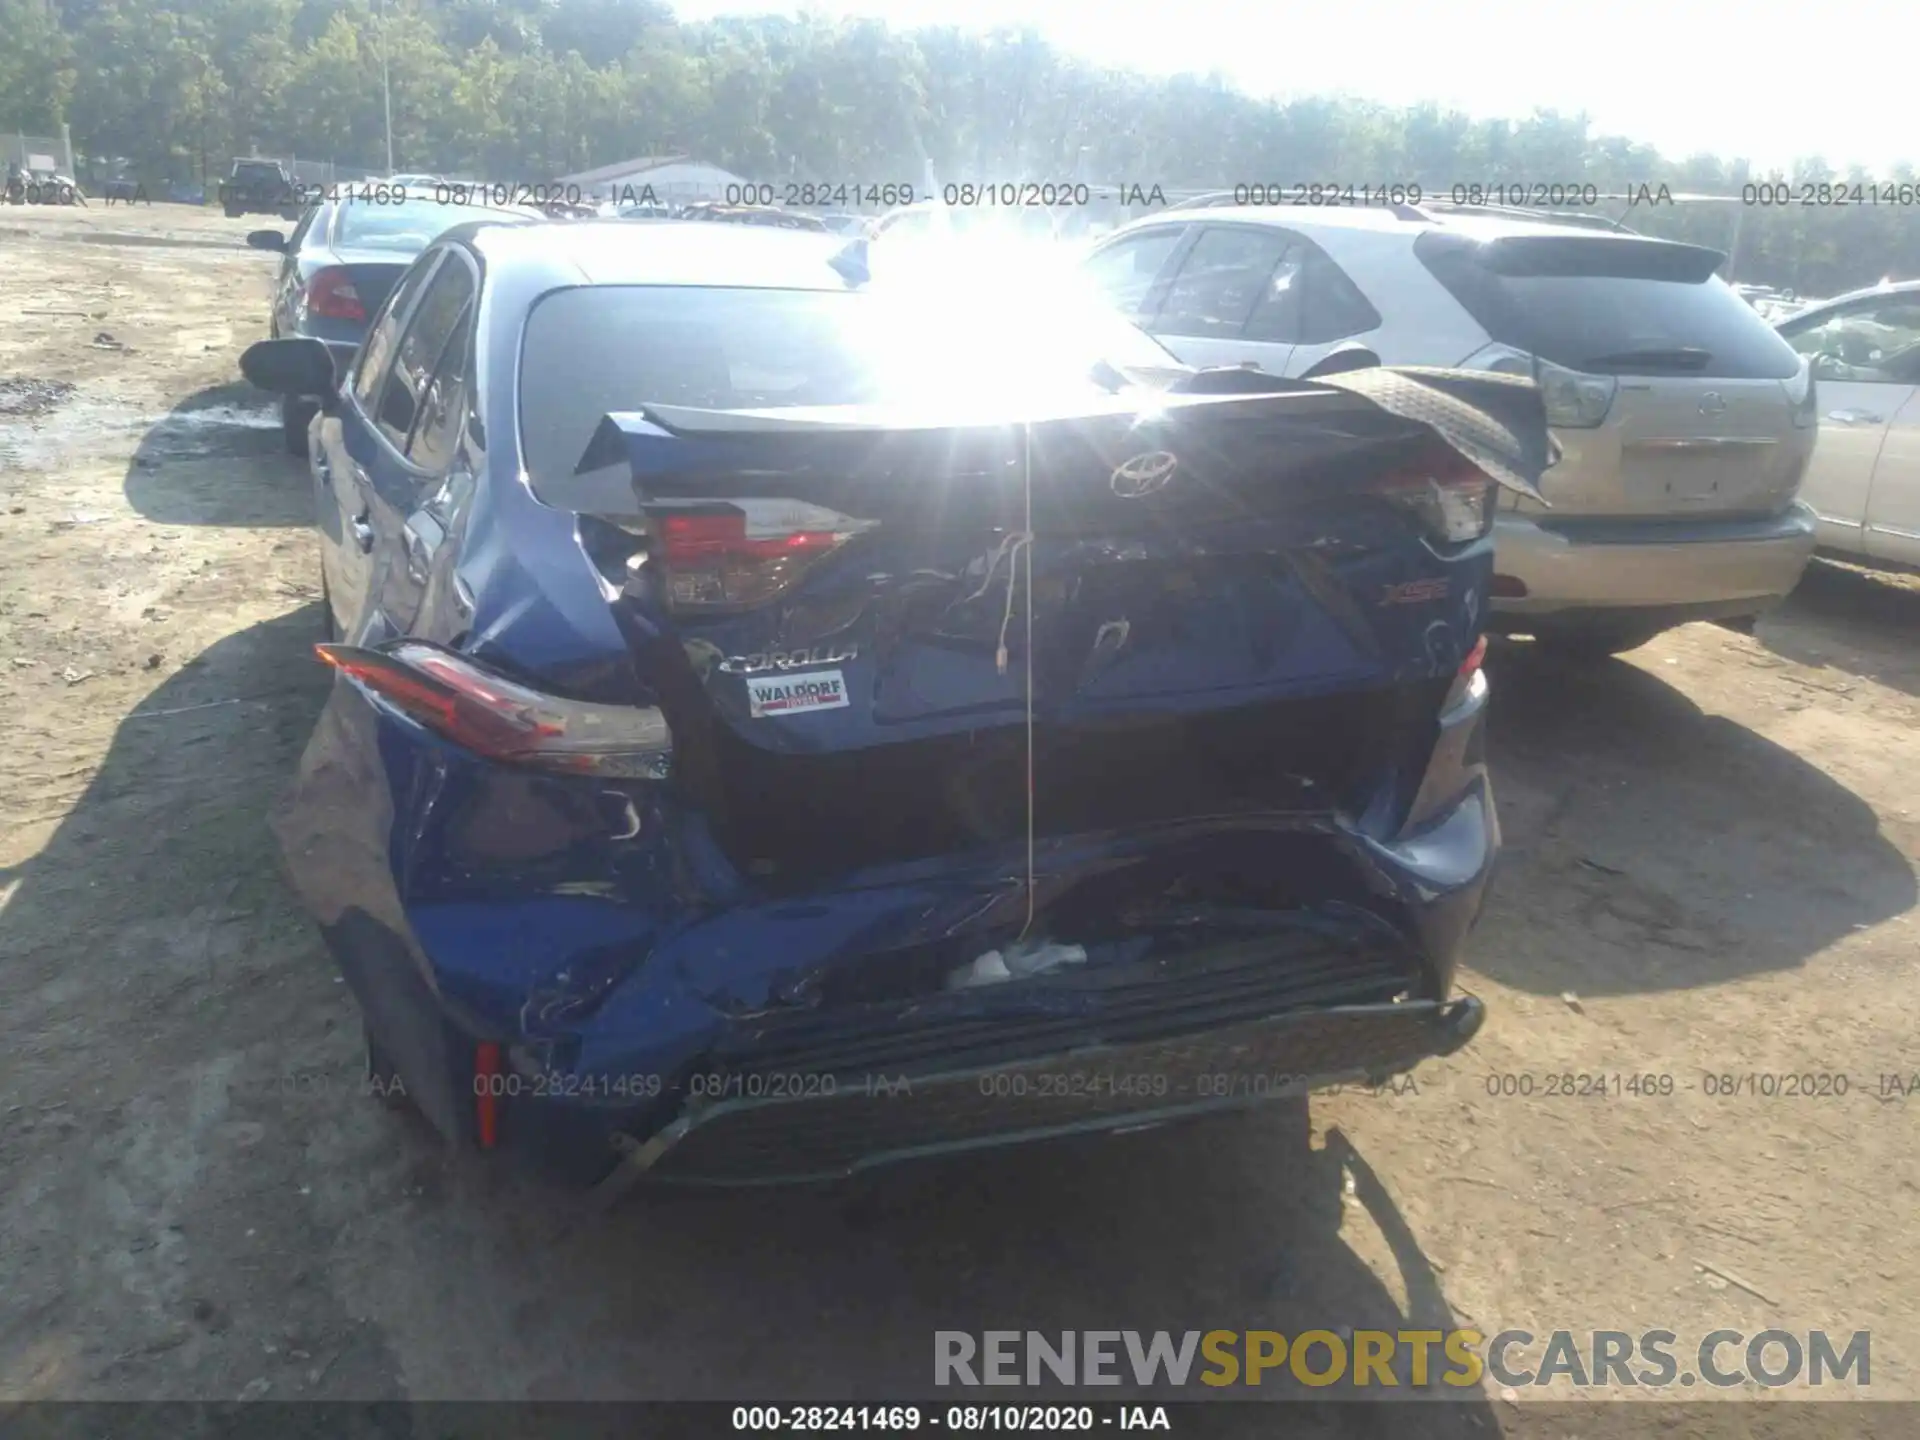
x=1677 y=357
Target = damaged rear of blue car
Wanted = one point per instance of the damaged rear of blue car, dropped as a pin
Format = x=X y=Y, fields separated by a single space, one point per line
x=784 y=725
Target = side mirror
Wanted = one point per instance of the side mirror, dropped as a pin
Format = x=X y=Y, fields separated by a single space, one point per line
x=293 y=367
x=267 y=240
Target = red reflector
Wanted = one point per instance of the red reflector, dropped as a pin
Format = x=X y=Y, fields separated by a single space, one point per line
x=1475 y=657
x=330 y=293
x=486 y=1092
x=1508 y=587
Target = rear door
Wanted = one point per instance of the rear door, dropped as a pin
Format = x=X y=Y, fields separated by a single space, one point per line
x=1866 y=362
x=348 y=446
x=1331 y=311
x=1127 y=271
x=1670 y=396
x=415 y=428
x=1232 y=299
x=1893 y=508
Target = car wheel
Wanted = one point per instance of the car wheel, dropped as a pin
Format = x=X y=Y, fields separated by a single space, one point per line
x=295 y=416
x=1599 y=640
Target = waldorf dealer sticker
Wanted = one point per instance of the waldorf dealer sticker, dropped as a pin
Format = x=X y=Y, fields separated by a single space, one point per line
x=788 y=694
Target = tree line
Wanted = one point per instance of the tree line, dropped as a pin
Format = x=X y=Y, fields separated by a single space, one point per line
x=529 y=90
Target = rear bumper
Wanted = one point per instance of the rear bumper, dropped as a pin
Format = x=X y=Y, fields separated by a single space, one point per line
x=886 y=1119
x=1633 y=568
x=708 y=1064
x=662 y=1016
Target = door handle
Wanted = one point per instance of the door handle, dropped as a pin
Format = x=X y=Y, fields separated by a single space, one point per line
x=420 y=546
x=322 y=471
x=362 y=532
x=1855 y=417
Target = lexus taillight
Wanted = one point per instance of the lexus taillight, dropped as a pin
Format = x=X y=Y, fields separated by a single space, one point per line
x=504 y=720
x=330 y=293
x=733 y=555
x=1452 y=498
x=1572 y=399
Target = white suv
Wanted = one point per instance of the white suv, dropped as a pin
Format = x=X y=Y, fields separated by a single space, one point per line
x=1685 y=422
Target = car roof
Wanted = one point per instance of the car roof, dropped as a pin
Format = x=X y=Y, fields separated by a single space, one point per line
x=321 y=236
x=1374 y=218
x=1898 y=287
x=1346 y=217
x=609 y=251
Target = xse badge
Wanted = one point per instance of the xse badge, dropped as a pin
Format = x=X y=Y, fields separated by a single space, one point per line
x=1415 y=592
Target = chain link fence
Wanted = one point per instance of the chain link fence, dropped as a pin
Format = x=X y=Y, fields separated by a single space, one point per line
x=38 y=152
x=321 y=172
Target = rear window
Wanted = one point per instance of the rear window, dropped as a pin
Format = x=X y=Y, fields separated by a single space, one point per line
x=1606 y=305
x=594 y=350
x=256 y=171
x=406 y=228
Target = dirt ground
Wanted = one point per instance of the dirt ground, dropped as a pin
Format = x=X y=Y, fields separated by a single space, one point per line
x=1710 y=869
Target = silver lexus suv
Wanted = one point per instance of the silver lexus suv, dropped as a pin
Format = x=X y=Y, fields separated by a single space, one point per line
x=1685 y=422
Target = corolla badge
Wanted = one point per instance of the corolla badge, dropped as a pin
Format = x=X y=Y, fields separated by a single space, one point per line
x=764 y=661
x=1144 y=474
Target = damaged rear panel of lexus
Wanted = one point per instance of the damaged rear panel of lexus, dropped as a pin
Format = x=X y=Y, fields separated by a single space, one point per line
x=807 y=723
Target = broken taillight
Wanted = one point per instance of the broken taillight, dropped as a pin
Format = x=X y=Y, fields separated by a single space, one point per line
x=1451 y=496
x=330 y=293
x=733 y=555
x=1470 y=682
x=503 y=720
x=1475 y=658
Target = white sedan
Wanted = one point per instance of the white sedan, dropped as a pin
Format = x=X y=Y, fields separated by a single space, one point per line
x=1864 y=480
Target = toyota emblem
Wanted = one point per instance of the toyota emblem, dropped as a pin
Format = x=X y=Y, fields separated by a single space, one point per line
x=1144 y=474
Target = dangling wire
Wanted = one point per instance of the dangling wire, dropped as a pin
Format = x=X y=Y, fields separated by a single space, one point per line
x=1008 y=543
x=1025 y=548
x=1015 y=545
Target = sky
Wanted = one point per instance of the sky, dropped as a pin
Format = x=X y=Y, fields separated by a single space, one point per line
x=1681 y=75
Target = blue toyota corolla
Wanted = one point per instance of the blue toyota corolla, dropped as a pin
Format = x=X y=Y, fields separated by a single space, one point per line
x=787 y=721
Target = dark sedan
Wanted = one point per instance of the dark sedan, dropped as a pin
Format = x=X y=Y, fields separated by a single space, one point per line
x=762 y=689
x=340 y=261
